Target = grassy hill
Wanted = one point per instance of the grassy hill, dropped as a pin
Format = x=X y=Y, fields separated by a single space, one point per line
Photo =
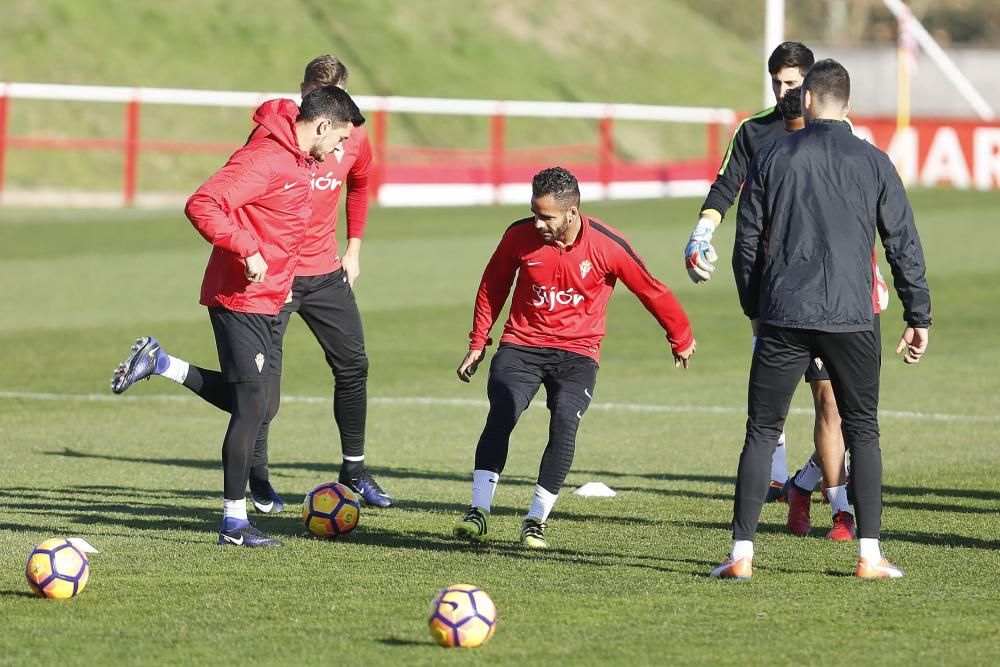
x=648 y=51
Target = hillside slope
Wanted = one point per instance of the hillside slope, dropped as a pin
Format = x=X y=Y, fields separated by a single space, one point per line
x=648 y=51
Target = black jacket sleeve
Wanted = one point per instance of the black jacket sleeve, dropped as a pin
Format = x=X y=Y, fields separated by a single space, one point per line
x=748 y=250
x=902 y=245
x=733 y=171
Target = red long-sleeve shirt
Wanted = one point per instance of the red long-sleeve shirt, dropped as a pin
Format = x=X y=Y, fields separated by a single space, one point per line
x=561 y=294
x=350 y=165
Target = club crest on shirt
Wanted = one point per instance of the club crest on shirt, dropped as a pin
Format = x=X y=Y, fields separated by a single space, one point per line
x=259 y=360
x=585 y=267
x=338 y=153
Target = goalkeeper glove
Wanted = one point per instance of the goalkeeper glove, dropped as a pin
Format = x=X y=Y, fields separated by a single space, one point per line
x=699 y=255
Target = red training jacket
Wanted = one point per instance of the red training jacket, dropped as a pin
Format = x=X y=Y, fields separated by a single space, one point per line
x=561 y=296
x=258 y=202
x=351 y=165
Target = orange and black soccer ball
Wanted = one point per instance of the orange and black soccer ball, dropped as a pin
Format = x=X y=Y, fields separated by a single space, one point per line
x=57 y=569
x=462 y=616
x=331 y=510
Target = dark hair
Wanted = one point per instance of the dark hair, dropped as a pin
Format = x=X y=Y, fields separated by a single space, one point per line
x=790 y=54
x=325 y=70
x=559 y=183
x=829 y=82
x=333 y=103
x=790 y=103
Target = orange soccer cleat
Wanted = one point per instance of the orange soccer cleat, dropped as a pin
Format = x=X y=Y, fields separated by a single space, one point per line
x=878 y=569
x=733 y=569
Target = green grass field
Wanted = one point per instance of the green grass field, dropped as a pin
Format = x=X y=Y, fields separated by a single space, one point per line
x=625 y=583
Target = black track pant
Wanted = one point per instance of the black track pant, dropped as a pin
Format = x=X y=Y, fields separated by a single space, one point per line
x=326 y=303
x=516 y=373
x=780 y=358
x=243 y=341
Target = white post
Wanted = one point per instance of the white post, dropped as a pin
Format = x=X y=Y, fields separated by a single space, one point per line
x=774 y=34
x=941 y=59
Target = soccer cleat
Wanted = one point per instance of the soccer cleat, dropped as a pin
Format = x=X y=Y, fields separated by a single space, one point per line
x=475 y=525
x=533 y=534
x=880 y=569
x=740 y=570
x=776 y=492
x=140 y=363
x=843 y=527
x=798 y=511
x=367 y=488
x=265 y=498
x=245 y=535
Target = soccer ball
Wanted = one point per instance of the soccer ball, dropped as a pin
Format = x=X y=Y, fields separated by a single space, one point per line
x=463 y=616
x=57 y=569
x=331 y=510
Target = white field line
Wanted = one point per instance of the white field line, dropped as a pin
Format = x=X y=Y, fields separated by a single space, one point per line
x=479 y=403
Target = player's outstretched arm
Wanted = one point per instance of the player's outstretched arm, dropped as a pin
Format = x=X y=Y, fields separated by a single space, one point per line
x=470 y=364
x=914 y=343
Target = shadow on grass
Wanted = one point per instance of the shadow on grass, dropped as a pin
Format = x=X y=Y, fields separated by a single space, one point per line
x=92 y=507
x=407 y=473
x=456 y=509
x=425 y=541
x=17 y=594
x=937 y=539
x=408 y=643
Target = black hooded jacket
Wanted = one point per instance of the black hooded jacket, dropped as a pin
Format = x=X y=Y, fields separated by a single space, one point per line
x=811 y=206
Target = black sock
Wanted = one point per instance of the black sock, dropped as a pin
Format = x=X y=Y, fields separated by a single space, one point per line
x=351 y=469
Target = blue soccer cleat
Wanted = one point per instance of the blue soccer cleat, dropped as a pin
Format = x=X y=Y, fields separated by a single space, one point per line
x=236 y=533
x=144 y=359
x=265 y=498
x=367 y=489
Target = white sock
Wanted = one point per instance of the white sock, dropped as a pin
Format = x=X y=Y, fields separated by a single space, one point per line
x=235 y=509
x=779 y=462
x=809 y=476
x=869 y=549
x=484 y=485
x=838 y=499
x=542 y=504
x=742 y=549
x=177 y=370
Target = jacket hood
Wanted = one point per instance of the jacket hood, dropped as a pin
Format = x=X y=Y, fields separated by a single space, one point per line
x=278 y=118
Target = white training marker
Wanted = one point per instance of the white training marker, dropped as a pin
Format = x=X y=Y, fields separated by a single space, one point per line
x=83 y=545
x=595 y=490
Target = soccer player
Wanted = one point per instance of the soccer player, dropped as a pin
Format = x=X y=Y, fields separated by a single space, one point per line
x=254 y=211
x=564 y=266
x=787 y=65
x=322 y=295
x=804 y=239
